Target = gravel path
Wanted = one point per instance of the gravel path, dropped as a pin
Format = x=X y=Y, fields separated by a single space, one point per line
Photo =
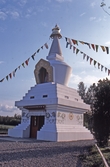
x=42 y=154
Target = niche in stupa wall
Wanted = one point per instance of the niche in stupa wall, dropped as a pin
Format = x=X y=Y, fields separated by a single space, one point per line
x=43 y=72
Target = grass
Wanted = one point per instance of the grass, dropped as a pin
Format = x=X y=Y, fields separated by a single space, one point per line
x=106 y=153
x=4 y=128
x=92 y=158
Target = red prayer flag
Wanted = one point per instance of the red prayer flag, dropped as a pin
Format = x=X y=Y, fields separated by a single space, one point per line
x=27 y=61
x=74 y=42
x=74 y=48
x=91 y=60
x=10 y=75
x=108 y=71
x=93 y=46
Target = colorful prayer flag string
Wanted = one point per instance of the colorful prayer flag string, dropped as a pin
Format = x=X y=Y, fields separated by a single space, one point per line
x=95 y=47
x=26 y=62
x=85 y=56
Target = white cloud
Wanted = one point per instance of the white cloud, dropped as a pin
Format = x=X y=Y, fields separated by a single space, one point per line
x=8 y=108
x=44 y=24
x=14 y=15
x=82 y=14
x=92 y=4
x=2 y=15
x=64 y=1
x=2 y=1
x=83 y=72
x=22 y=2
x=92 y=18
x=2 y=29
x=107 y=43
x=1 y=62
x=75 y=79
x=27 y=15
x=87 y=79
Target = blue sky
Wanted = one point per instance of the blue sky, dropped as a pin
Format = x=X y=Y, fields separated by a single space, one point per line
x=26 y=25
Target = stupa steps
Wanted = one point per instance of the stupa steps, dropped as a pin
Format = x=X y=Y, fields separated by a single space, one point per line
x=65 y=128
x=53 y=92
x=20 y=131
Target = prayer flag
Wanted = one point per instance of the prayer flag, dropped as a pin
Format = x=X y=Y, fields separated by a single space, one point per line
x=96 y=48
x=33 y=56
x=74 y=42
x=38 y=50
x=95 y=62
x=74 y=48
x=66 y=39
x=27 y=61
x=108 y=71
x=98 y=65
x=102 y=67
x=10 y=75
x=105 y=69
x=107 y=50
x=77 y=50
x=67 y=45
x=103 y=48
x=19 y=67
x=69 y=40
x=93 y=46
x=7 y=77
x=87 y=58
x=14 y=73
x=15 y=69
x=88 y=45
x=46 y=45
x=2 y=80
x=81 y=42
x=91 y=60
x=70 y=46
x=23 y=65
x=84 y=55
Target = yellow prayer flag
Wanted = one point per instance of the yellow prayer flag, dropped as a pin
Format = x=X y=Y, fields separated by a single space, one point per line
x=103 y=48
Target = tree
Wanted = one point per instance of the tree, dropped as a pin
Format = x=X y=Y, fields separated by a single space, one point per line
x=101 y=112
x=90 y=94
x=82 y=90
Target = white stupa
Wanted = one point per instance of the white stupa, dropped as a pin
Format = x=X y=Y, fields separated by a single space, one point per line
x=51 y=110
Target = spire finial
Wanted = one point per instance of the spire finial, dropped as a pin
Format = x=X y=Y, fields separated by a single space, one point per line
x=56 y=32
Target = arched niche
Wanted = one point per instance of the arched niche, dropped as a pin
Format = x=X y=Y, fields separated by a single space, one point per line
x=43 y=72
x=43 y=75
